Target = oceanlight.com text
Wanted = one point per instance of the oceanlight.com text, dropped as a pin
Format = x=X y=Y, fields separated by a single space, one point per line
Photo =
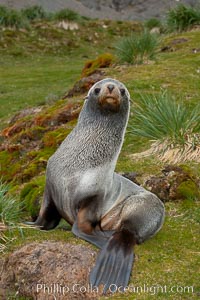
x=153 y=289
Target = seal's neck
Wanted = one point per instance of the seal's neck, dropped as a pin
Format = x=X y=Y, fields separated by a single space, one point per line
x=103 y=131
x=115 y=122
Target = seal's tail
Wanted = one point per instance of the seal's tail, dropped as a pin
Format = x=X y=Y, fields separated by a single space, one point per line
x=114 y=263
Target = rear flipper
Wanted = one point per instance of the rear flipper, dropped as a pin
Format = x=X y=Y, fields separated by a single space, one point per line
x=114 y=263
x=96 y=237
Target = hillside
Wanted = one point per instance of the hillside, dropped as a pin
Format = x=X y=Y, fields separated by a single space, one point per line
x=47 y=71
x=112 y=9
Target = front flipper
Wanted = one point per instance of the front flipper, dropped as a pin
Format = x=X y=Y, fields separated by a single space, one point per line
x=49 y=217
x=96 y=237
x=114 y=263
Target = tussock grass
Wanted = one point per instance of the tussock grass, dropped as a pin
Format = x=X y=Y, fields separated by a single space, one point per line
x=182 y=17
x=67 y=14
x=152 y=23
x=24 y=17
x=10 y=208
x=137 y=48
x=10 y=213
x=12 y=18
x=174 y=128
x=35 y=12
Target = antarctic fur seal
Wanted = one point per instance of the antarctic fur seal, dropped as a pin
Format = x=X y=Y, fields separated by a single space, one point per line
x=103 y=207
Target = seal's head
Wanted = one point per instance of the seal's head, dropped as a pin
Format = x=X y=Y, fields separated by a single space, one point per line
x=109 y=94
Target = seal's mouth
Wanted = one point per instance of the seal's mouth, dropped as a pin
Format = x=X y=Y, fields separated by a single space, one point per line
x=110 y=103
x=109 y=98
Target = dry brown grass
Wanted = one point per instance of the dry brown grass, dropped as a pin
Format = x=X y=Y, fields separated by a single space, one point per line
x=170 y=153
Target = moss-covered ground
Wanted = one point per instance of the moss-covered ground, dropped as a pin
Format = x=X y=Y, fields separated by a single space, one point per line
x=37 y=68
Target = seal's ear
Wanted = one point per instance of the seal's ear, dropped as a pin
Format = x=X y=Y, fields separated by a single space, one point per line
x=85 y=98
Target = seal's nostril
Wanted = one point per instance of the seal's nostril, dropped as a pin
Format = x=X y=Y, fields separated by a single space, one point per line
x=110 y=87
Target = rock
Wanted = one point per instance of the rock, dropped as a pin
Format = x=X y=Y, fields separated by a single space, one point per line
x=159 y=186
x=48 y=270
x=179 y=41
x=175 y=183
x=172 y=46
x=24 y=113
x=33 y=128
x=83 y=85
x=196 y=50
x=66 y=25
x=131 y=176
x=68 y=114
x=92 y=66
x=61 y=116
x=167 y=49
x=155 y=30
x=15 y=128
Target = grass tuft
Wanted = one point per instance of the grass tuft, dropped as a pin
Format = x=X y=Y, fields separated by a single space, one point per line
x=182 y=17
x=10 y=214
x=137 y=48
x=171 y=125
x=152 y=23
x=23 y=18
x=35 y=12
x=12 y=18
x=67 y=14
x=10 y=208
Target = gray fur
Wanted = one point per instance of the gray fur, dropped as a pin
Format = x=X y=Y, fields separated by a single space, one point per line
x=81 y=174
x=84 y=163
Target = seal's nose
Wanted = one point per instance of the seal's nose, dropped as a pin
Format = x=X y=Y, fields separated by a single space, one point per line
x=110 y=87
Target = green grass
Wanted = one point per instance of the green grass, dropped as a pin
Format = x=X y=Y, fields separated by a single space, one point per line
x=43 y=63
x=28 y=82
x=176 y=71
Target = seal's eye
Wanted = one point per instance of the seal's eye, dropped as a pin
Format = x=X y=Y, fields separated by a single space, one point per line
x=122 y=91
x=97 y=91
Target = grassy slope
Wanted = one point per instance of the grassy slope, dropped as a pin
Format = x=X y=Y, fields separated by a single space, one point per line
x=45 y=60
x=171 y=258
x=28 y=82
